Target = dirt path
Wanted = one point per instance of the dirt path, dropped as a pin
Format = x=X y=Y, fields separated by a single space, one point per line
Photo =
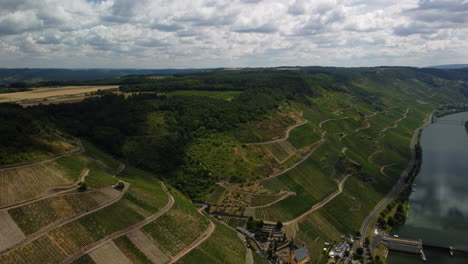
x=319 y=204
x=276 y=201
x=366 y=119
x=195 y=244
x=396 y=189
x=56 y=225
x=396 y=122
x=317 y=144
x=59 y=190
x=24 y=165
x=123 y=232
x=331 y=119
x=288 y=130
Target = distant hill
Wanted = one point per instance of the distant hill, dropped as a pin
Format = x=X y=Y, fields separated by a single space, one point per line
x=8 y=76
x=449 y=66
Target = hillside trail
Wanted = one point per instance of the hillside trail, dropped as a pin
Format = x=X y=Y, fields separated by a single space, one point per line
x=317 y=145
x=59 y=190
x=28 y=164
x=207 y=234
x=70 y=259
x=368 y=125
x=58 y=224
x=382 y=132
x=396 y=189
x=285 y=137
x=317 y=205
x=274 y=202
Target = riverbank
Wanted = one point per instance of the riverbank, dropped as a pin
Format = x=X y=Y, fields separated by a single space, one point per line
x=437 y=212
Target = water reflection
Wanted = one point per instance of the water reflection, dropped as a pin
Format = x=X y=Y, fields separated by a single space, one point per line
x=439 y=207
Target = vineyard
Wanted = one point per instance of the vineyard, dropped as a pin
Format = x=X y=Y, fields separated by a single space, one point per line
x=21 y=184
x=176 y=229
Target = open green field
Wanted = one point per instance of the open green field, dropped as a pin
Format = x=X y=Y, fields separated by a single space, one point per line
x=223 y=247
x=223 y=95
x=304 y=135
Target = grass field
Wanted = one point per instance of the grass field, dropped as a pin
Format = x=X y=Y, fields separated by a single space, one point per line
x=223 y=95
x=304 y=135
x=95 y=153
x=223 y=247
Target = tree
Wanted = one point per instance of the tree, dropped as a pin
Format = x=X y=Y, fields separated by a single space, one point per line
x=82 y=186
x=360 y=251
x=279 y=225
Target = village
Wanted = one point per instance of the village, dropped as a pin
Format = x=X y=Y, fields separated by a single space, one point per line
x=270 y=242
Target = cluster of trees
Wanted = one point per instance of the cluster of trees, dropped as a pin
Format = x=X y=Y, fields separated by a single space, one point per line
x=153 y=131
x=387 y=221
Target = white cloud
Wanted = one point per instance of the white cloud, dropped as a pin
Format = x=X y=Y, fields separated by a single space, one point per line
x=217 y=33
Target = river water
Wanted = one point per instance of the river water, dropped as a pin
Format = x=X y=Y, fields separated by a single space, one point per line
x=438 y=211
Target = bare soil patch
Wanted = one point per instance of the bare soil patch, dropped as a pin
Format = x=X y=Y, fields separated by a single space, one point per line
x=109 y=253
x=10 y=233
x=147 y=245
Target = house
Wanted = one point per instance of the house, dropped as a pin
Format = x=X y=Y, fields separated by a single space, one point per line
x=339 y=250
x=301 y=255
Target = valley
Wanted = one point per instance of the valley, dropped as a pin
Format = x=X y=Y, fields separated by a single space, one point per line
x=166 y=175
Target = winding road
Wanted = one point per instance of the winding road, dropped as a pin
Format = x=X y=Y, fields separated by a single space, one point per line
x=397 y=188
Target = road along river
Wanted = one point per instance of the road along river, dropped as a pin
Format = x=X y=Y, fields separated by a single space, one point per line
x=438 y=211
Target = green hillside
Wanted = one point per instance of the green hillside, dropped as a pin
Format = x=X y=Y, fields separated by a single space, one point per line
x=315 y=148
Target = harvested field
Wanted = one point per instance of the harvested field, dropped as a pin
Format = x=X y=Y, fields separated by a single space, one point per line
x=10 y=233
x=22 y=184
x=109 y=253
x=37 y=95
x=147 y=245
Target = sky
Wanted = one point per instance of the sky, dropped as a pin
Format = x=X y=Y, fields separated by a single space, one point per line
x=233 y=33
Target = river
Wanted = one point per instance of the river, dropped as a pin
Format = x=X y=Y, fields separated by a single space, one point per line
x=438 y=211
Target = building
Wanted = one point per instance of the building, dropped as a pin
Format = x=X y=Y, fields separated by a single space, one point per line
x=301 y=255
x=339 y=250
x=245 y=232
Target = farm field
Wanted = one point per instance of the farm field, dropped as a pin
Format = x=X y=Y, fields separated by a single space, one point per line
x=21 y=184
x=304 y=135
x=178 y=228
x=146 y=246
x=52 y=94
x=109 y=253
x=223 y=247
x=34 y=216
x=280 y=150
x=131 y=251
x=10 y=233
